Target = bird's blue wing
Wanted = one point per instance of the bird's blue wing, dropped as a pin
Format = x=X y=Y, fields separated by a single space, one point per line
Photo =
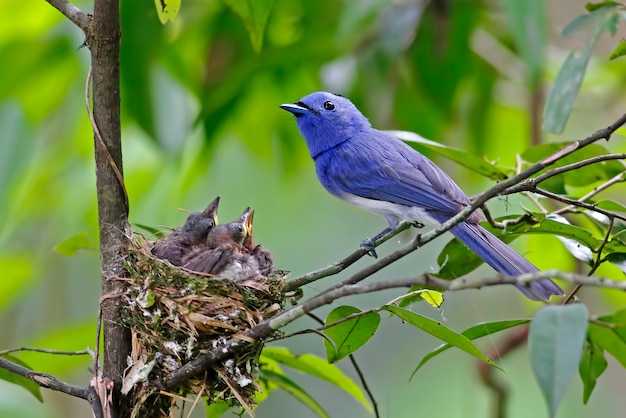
x=380 y=167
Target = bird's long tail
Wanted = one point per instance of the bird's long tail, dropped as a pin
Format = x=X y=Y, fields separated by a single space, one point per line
x=503 y=258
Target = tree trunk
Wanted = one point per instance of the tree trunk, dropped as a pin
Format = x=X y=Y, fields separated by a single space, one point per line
x=104 y=43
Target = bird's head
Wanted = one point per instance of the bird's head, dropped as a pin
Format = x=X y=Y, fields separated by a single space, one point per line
x=211 y=211
x=198 y=224
x=230 y=233
x=326 y=120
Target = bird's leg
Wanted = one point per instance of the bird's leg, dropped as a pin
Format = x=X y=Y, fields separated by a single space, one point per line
x=417 y=224
x=369 y=243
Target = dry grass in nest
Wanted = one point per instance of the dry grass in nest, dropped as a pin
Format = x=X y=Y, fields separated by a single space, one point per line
x=175 y=316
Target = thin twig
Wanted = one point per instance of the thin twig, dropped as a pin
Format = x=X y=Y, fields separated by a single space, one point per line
x=86 y=351
x=579 y=204
x=598 y=260
x=532 y=182
x=617 y=179
x=501 y=391
x=73 y=13
x=342 y=264
x=357 y=368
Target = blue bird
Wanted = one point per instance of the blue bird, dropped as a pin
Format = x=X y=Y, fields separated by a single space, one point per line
x=379 y=173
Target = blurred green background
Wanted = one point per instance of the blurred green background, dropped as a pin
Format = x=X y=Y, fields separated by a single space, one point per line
x=201 y=118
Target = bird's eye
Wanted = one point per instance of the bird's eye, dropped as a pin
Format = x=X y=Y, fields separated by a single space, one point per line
x=328 y=105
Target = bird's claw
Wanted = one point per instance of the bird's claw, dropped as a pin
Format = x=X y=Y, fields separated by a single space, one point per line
x=368 y=244
x=417 y=224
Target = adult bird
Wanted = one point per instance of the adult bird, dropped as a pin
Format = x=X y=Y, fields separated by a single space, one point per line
x=223 y=255
x=194 y=231
x=382 y=174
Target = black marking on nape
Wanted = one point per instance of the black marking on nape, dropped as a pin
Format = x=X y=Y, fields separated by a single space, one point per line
x=307 y=107
x=163 y=5
x=339 y=95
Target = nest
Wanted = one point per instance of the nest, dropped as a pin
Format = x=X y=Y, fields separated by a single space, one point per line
x=175 y=316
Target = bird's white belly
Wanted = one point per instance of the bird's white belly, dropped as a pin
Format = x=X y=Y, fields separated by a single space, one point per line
x=393 y=210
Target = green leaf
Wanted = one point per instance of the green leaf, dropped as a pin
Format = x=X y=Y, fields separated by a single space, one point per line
x=350 y=335
x=254 y=14
x=619 y=51
x=167 y=9
x=70 y=246
x=16 y=379
x=613 y=339
x=440 y=331
x=556 y=338
x=618 y=260
x=461 y=157
x=562 y=95
x=315 y=366
x=592 y=365
x=472 y=333
x=432 y=297
x=294 y=390
x=528 y=22
x=595 y=6
x=611 y=205
x=216 y=409
x=585 y=21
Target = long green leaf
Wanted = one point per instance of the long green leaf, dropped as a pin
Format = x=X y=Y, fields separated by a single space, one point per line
x=438 y=330
x=556 y=338
x=350 y=335
x=563 y=94
x=472 y=333
x=294 y=390
x=320 y=368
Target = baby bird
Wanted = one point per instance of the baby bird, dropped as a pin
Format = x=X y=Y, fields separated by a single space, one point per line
x=223 y=255
x=177 y=245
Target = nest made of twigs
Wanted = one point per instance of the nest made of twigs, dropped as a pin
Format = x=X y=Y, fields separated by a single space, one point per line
x=174 y=316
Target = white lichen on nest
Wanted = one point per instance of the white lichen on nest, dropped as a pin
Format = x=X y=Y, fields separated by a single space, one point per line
x=174 y=316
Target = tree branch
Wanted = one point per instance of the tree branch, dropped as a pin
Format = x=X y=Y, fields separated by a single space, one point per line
x=529 y=184
x=342 y=264
x=73 y=13
x=50 y=382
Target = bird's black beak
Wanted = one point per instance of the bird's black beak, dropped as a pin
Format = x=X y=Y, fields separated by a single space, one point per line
x=211 y=210
x=296 y=109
